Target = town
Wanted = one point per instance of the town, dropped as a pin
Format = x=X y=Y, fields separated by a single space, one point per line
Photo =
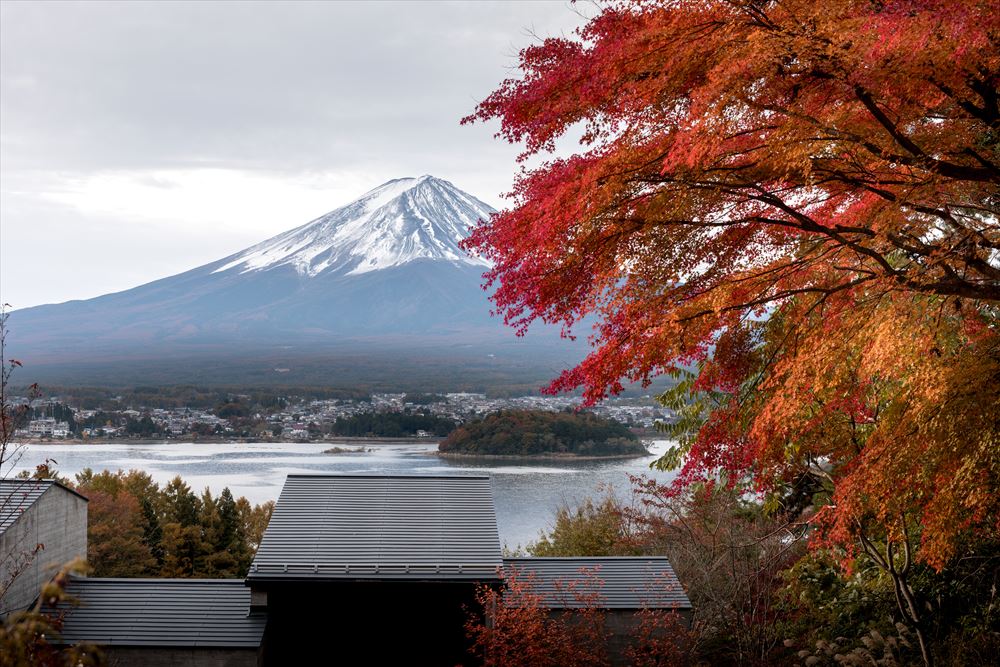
x=296 y=418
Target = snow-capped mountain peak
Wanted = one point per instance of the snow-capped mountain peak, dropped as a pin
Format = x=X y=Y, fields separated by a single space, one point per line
x=398 y=222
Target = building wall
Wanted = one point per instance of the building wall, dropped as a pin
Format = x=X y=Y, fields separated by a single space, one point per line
x=386 y=622
x=57 y=521
x=156 y=656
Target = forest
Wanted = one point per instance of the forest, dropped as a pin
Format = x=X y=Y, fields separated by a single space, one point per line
x=392 y=424
x=537 y=432
x=138 y=528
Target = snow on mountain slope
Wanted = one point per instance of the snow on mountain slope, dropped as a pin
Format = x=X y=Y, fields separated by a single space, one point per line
x=398 y=222
x=382 y=273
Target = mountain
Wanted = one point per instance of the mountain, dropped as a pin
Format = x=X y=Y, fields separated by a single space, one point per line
x=381 y=277
x=399 y=222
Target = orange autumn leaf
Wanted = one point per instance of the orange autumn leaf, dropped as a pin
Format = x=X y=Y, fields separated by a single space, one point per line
x=799 y=198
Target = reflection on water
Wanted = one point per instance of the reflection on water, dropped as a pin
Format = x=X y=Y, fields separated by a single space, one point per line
x=527 y=493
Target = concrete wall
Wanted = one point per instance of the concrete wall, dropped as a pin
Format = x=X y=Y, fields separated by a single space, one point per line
x=57 y=523
x=155 y=656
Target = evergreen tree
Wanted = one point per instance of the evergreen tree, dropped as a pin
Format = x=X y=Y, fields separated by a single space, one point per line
x=183 y=550
x=181 y=504
x=233 y=537
x=140 y=484
x=152 y=531
x=218 y=562
x=144 y=427
x=183 y=542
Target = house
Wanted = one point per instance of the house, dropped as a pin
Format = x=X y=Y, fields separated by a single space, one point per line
x=360 y=554
x=392 y=564
x=48 y=427
x=166 y=622
x=43 y=526
x=620 y=586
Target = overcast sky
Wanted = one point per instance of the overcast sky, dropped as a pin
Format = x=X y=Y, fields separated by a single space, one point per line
x=138 y=140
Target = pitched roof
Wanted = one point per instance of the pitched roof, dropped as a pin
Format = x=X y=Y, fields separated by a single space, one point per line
x=608 y=583
x=17 y=495
x=161 y=612
x=365 y=527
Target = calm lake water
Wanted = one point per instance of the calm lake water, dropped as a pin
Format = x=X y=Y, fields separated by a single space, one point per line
x=527 y=492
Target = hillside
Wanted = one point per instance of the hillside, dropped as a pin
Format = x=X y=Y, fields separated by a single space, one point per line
x=540 y=433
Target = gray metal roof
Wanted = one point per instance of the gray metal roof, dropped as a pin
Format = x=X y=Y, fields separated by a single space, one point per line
x=162 y=612
x=609 y=583
x=366 y=527
x=17 y=495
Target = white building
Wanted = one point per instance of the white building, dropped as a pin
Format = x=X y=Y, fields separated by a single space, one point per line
x=48 y=427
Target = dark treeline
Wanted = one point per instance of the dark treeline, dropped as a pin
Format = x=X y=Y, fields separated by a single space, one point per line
x=392 y=424
x=206 y=396
x=189 y=396
x=137 y=528
x=532 y=432
x=339 y=371
x=58 y=411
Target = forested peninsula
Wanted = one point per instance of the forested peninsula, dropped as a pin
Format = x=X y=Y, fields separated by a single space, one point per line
x=519 y=433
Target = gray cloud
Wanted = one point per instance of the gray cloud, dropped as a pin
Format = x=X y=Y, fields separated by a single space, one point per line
x=324 y=94
x=251 y=85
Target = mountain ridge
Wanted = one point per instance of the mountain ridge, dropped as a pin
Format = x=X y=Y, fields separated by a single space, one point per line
x=399 y=221
x=384 y=273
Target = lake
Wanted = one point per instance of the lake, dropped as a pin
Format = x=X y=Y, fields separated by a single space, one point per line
x=527 y=492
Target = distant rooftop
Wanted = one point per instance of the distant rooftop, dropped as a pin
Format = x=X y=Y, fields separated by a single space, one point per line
x=365 y=527
x=162 y=612
x=17 y=495
x=608 y=583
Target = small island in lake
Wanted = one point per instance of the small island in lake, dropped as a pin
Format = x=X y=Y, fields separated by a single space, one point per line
x=347 y=450
x=537 y=433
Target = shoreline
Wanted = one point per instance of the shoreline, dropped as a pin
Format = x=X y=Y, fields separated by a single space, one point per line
x=538 y=457
x=234 y=441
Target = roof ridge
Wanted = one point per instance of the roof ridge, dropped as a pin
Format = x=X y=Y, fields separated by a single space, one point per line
x=551 y=558
x=159 y=580
x=47 y=481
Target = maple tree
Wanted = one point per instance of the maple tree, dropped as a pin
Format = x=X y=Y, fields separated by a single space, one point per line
x=730 y=556
x=515 y=625
x=512 y=626
x=799 y=201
